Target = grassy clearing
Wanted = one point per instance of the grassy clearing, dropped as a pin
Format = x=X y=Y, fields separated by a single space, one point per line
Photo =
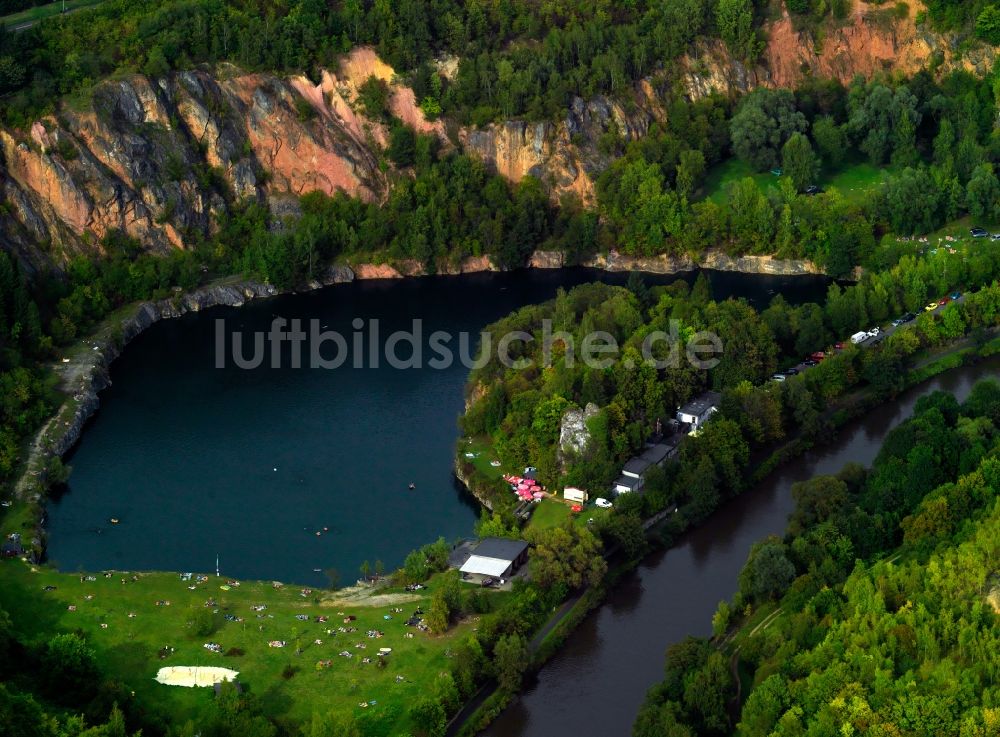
x=130 y=646
x=549 y=513
x=853 y=180
x=553 y=512
x=954 y=237
x=733 y=170
x=41 y=12
x=482 y=452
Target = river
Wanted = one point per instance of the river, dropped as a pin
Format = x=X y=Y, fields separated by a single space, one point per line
x=196 y=461
x=596 y=683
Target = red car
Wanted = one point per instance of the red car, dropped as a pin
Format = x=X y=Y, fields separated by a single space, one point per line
x=943 y=301
x=818 y=356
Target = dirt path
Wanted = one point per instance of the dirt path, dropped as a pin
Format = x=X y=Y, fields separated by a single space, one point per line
x=367 y=596
x=74 y=372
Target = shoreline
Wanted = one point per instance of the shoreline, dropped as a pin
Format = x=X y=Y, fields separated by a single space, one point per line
x=87 y=371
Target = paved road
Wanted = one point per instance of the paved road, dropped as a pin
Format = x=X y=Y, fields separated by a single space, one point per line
x=885 y=333
x=23 y=25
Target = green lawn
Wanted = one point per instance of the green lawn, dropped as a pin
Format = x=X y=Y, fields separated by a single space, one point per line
x=549 y=513
x=553 y=512
x=733 y=170
x=129 y=646
x=854 y=180
x=41 y=12
x=953 y=236
x=482 y=450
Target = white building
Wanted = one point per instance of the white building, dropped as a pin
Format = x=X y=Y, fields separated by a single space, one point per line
x=496 y=557
x=698 y=411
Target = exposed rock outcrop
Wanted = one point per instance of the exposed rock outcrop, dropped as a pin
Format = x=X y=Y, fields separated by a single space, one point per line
x=564 y=156
x=574 y=435
x=872 y=40
x=154 y=157
x=667 y=264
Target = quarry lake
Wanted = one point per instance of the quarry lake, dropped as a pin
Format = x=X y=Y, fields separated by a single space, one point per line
x=248 y=465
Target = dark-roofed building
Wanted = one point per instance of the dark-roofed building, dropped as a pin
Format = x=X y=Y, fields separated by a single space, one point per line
x=698 y=411
x=626 y=484
x=636 y=468
x=656 y=455
x=496 y=557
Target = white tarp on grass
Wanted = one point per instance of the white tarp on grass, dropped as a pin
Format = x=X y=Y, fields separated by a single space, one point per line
x=194 y=675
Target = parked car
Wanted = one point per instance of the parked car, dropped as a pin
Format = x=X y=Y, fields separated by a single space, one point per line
x=931 y=307
x=943 y=301
x=995 y=237
x=909 y=317
x=810 y=362
x=791 y=372
x=813 y=189
x=874 y=332
x=603 y=503
x=897 y=322
x=818 y=356
x=778 y=377
x=838 y=346
x=979 y=232
x=955 y=295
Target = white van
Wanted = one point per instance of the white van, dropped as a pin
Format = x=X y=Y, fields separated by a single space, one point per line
x=859 y=337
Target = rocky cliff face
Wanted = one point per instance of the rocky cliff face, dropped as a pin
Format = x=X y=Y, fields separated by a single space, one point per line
x=574 y=436
x=159 y=158
x=667 y=264
x=565 y=156
x=873 y=39
x=155 y=157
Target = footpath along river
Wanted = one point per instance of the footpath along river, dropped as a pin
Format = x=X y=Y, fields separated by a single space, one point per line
x=596 y=683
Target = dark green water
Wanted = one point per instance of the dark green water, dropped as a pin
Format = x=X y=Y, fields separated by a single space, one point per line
x=184 y=453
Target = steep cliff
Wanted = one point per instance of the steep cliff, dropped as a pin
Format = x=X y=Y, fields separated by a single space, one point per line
x=157 y=158
x=160 y=158
x=565 y=155
x=874 y=38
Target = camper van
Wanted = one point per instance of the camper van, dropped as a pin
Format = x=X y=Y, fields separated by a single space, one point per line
x=859 y=337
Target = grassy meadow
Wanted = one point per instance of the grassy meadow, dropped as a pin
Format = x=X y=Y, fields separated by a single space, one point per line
x=134 y=635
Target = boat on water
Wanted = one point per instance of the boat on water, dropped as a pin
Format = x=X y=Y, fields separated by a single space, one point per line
x=412 y=486
x=114 y=520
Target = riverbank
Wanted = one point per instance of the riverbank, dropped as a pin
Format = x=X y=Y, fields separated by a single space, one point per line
x=621 y=644
x=843 y=411
x=268 y=467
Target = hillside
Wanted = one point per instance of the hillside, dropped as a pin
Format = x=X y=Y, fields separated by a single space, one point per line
x=161 y=156
x=875 y=614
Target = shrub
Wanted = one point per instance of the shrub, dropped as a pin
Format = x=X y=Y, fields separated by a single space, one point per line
x=988 y=25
